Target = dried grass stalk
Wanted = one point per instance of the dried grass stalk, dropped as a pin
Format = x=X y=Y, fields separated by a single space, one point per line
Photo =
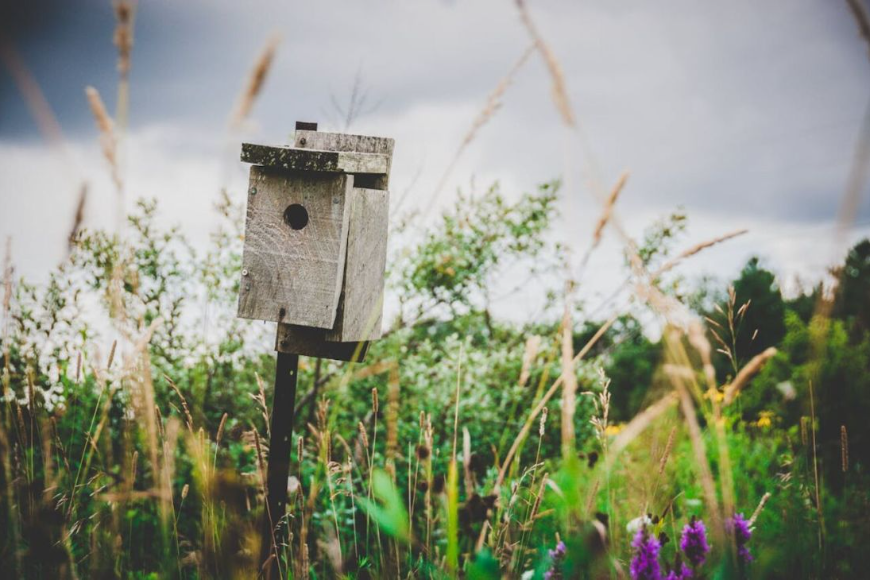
x=466 y=462
x=670 y=264
x=7 y=303
x=493 y=101
x=701 y=463
x=844 y=448
x=187 y=415
x=569 y=384
x=524 y=431
x=533 y=344
x=392 y=420
x=608 y=208
x=760 y=507
x=639 y=423
x=220 y=431
x=33 y=96
x=667 y=453
x=536 y=506
x=111 y=354
x=78 y=218
x=560 y=93
x=747 y=372
x=698 y=339
x=543 y=424
x=255 y=82
x=859 y=13
x=456 y=402
x=108 y=139
x=123 y=38
x=590 y=498
x=490 y=108
x=363 y=436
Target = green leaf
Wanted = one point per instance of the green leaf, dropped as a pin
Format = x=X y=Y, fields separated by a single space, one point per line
x=484 y=567
x=389 y=511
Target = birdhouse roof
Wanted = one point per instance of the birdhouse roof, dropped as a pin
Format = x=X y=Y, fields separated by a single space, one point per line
x=295 y=159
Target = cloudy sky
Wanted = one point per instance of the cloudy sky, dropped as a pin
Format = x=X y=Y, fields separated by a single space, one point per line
x=744 y=113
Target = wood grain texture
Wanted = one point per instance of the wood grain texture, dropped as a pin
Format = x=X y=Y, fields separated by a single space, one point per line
x=345 y=142
x=361 y=304
x=312 y=342
x=288 y=275
x=292 y=159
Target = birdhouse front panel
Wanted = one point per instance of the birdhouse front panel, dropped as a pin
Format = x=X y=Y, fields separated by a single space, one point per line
x=295 y=246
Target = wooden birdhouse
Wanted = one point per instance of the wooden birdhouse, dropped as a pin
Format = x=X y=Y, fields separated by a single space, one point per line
x=316 y=239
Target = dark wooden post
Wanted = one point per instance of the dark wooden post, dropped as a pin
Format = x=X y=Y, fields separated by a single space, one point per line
x=281 y=428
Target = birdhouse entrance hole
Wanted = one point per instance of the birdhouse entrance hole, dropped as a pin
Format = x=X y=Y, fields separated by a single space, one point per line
x=296 y=216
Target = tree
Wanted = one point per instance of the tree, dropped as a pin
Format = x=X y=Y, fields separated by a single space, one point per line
x=763 y=324
x=853 y=294
x=631 y=368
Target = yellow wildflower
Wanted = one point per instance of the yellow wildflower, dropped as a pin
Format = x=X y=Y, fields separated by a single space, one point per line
x=764 y=419
x=716 y=395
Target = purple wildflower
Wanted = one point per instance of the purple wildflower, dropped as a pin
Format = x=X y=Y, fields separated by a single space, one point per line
x=682 y=572
x=645 y=564
x=739 y=526
x=556 y=555
x=693 y=542
x=558 y=552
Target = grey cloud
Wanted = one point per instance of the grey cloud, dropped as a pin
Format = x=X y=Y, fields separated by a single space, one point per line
x=742 y=109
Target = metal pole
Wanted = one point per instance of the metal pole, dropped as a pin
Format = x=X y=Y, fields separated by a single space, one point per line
x=281 y=430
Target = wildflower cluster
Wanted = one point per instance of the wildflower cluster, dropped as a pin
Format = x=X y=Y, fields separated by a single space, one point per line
x=680 y=571
x=556 y=556
x=645 y=564
x=693 y=543
x=693 y=550
x=740 y=527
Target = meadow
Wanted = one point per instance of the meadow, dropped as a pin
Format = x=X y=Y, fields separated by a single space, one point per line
x=730 y=441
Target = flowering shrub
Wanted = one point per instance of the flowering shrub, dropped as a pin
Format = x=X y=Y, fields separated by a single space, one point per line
x=693 y=548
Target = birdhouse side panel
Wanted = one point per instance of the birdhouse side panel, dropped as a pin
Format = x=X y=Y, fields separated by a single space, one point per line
x=361 y=305
x=295 y=246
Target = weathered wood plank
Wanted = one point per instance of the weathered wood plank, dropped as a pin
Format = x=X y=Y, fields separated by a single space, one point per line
x=344 y=142
x=292 y=159
x=294 y=274
x=361 y=304
x=312 y=342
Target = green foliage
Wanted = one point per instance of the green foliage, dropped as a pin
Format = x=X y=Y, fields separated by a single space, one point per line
x=763 y=324
x=155 y=466
x=853 y=293
x=390 y=513
x=632 y=361
x=484 y=567
x=816 y=382
x=455 y=264
x=748 y=320
x=658 y=238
